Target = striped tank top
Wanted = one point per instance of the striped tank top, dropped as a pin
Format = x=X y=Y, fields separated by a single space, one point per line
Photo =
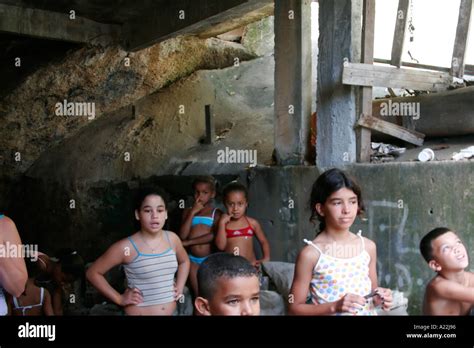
x=153 y=275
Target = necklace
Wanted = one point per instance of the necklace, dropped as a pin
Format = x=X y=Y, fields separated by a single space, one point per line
x=144 y=241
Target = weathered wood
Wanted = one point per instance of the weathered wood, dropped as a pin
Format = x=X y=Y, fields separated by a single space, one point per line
x=468 y=69
x=460 y=42
x=382 y=76
x=210 y=128
x=399 y=33
x=292 y=81
x=198 y=17
x=407 y=135
x=443 y=114
x=54 y=25
x=364 y=134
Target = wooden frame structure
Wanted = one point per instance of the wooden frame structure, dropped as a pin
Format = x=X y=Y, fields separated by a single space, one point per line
x=367 y=75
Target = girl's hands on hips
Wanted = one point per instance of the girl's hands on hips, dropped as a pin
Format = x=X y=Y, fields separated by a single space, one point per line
x=350 y=303
x=178 y=294
x=383 y=297
x=131 y=297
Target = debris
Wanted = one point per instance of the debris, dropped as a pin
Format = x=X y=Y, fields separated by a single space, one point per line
x=385 y=152
x=426 y=155
x=464 y=154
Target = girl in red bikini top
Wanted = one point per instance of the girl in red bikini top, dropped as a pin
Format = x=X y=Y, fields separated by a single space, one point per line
x=240 y=232
x=239 y=240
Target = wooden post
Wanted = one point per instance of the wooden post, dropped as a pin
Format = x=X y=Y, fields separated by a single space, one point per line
x=364 y=134
x=210 y=129
x=399 y=34
x=460 y=42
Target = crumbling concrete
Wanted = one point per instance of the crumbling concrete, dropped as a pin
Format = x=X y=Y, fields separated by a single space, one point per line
x=109 y=78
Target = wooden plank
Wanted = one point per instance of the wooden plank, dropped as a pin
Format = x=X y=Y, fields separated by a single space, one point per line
x=460 y=42
x=385 y=127
x=54 y=25
x=382 y=76
x=399 y=33
x=468 y=69
x=364 y=134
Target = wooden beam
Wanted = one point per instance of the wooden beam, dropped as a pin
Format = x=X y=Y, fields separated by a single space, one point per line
x=460 y=42
x=385 y=127
x=363 y=134
x=382 y=76
x=54 y=25
x=184 y=17
x=399 y=33
x=468 y=69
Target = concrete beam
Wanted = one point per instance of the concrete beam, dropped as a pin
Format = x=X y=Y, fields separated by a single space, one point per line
x=54 y=25
x=205 y=18
x=339 y=36
x=292 y=80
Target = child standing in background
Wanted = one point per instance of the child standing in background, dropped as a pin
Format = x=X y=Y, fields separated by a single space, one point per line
x=236 y=229
x=34 y=301
x=199 y=225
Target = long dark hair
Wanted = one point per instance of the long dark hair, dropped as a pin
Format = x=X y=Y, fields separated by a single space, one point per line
x=327 y=183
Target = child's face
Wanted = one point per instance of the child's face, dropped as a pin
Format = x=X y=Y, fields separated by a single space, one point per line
x=449 y=253
x=235 y=296
x=203 y=192
x=340 y=209
x=152 y=214
x=236 y=204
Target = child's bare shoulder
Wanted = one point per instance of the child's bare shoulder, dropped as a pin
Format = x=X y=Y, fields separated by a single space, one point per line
x=173 y=237
x=471 y=278
x=253 y=222
x=309 y=254
x=438 y=286
x=369 y=244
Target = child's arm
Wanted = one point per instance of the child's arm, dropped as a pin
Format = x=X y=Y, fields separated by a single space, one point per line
x=262 y=239
x=58 y=301
x=13 y=275
x=208 y=237
x=183 y=265
x=221 y=237
x=305 y=264
x=47 y=304
x=384 y=296
x=204 y=239
x=454 y=291
x=188 y=215
x=114 y=256
x=9 y=300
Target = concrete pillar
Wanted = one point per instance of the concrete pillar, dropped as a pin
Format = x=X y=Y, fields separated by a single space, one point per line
x=292 y=80
x=339 y=38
